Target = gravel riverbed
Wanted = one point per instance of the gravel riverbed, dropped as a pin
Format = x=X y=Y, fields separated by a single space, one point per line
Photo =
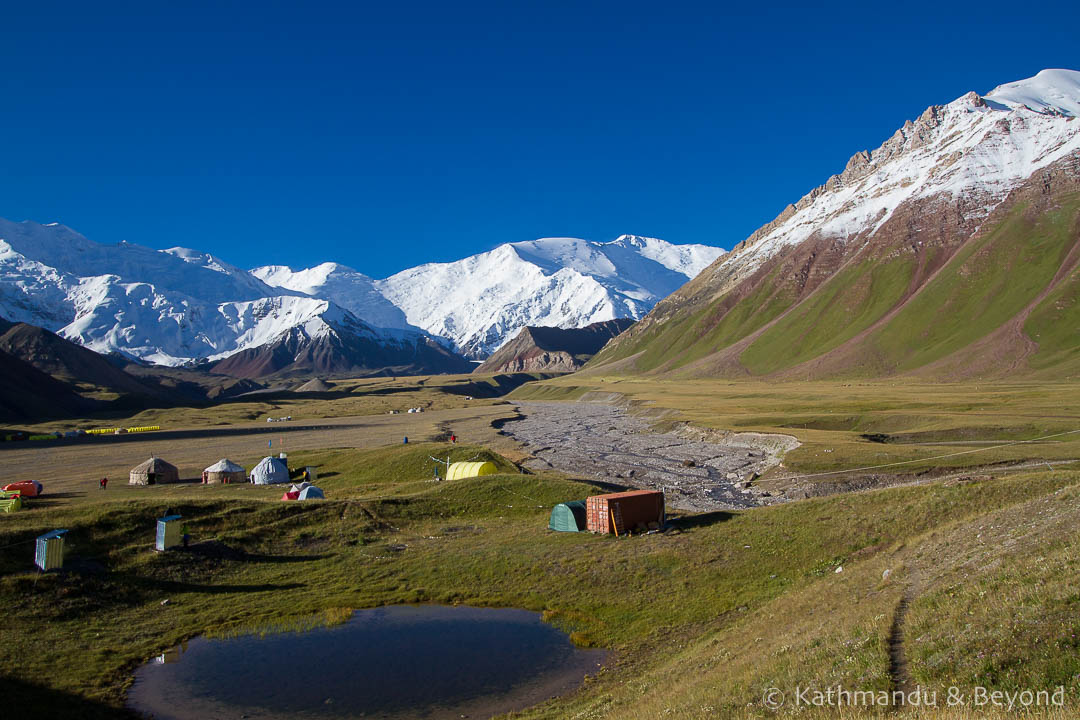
x=698 y=469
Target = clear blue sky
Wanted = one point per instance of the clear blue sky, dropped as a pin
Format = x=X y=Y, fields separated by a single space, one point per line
x=383 y=135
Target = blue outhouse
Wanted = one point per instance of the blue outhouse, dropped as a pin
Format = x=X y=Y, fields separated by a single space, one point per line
x=49 y=550
x=169 y=532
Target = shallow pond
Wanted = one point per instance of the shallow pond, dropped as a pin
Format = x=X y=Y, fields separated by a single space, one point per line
x=424 y=661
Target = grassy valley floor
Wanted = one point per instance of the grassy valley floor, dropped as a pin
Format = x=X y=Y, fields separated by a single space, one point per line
x=963 y=582
x=856 y=435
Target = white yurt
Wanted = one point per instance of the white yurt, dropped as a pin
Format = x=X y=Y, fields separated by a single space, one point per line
x=270 y=471
x=224 y=471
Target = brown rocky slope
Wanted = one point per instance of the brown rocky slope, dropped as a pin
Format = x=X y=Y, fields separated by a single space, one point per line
x=550 y=349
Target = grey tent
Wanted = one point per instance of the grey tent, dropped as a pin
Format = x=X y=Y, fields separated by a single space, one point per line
x=311 y=493
x=270 y=471
x=224 y=471
x=153 y=471
x=568 y=516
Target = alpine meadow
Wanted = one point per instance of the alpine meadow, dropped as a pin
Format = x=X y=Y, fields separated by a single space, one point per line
x=368 y=445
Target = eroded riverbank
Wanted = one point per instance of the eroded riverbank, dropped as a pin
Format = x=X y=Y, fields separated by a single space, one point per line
x=698 y=469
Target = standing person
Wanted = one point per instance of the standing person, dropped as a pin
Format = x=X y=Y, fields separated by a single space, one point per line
x=453 y=438
x=186 y=534
x=104 y=482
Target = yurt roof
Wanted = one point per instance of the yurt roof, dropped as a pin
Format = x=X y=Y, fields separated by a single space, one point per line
x=225 y=465
x=153 y=465
x=273 y=462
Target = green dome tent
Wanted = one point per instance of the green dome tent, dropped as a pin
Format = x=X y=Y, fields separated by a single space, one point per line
x=568 y=516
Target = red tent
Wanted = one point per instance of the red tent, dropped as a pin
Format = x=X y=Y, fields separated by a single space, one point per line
x=26 y=488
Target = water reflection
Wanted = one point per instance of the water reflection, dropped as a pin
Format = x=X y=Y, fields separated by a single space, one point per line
x=396 y=662
x=172 y=654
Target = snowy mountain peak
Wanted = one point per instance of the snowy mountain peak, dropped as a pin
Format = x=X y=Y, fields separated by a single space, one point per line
x=975 y=148
x=346 y=287
x=1051 y=91
x=482 y=301
x=305 y=280
x=174 y=305
x=631 y=240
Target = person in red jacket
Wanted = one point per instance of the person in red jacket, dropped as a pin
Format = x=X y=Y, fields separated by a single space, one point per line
x=104 y=482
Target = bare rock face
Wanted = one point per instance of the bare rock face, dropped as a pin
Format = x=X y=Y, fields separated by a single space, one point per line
x=548 y=349
x=345 y=350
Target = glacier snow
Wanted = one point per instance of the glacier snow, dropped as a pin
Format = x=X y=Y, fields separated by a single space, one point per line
x=179 y=305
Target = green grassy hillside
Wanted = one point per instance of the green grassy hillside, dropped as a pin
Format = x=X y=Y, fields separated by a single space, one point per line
x=850 y=302
x=990 y=281
x=1007 y=295
x=702 y=620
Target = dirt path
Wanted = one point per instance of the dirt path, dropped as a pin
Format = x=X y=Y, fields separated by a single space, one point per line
x=605 y=442
x=899 y=678
x=899 y=675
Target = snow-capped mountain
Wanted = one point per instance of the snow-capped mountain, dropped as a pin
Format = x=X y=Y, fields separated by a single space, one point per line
x=482 y=301
x=178 y=305
x=975 y=150
x=951 y=250
x=344 y=286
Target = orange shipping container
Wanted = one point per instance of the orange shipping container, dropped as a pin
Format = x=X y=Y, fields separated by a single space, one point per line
x=625 y=511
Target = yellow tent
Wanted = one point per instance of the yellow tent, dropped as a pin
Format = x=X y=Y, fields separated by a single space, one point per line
x=10 y=501
x=460 y=470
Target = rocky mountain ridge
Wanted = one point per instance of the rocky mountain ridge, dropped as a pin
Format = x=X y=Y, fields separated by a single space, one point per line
x=958 y=234
x=550 y=349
